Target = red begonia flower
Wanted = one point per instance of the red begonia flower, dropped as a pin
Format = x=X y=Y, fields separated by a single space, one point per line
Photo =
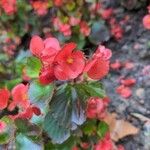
x=103 y=52
x=75 y=148
x=36 y=110
x=29 y=112
x=146 y=21
x=95 y=108
x=74 y=21
x=68 y=63
x=58 y=3
x=98 y=66
x=85 y=145
x=47 y=76
x=4 y=97
x=9 y=6
x=40 y=7
x=104 y=144
x=124 y=91
x=20 y=97
x=65 y=29
x=106 y=13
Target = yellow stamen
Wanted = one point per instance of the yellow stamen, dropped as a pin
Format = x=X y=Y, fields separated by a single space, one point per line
x=69 y=60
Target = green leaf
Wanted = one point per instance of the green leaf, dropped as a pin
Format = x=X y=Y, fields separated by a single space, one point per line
x=28 y=134
x=65 y=113
x=27 y=128
x=33 y=67
x=67 y=145
x=38 y=92
x=90 y=89
x=99 y=33
x=102 y=129
x=89 y=127
x=11 y=83
x=8 y=131
x=24 y=143
x=40 y=95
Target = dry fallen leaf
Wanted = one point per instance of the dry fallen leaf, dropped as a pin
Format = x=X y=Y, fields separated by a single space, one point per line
x=119 y=128
x=141 y=117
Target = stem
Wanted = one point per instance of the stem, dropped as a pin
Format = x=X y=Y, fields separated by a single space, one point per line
x=6 y=112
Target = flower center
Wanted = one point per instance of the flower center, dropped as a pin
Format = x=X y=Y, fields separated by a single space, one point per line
x=69 y=60
x=25 y=97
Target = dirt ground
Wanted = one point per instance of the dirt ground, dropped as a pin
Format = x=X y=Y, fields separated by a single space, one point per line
x=134 y=47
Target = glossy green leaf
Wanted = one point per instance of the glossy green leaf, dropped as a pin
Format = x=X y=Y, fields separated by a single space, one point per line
x=102 y=129
x=33 y=67
x=64 y=115
x=89 y=127
x=38 y=92
x=90 y=89
x=99 y=33
x=24 y=143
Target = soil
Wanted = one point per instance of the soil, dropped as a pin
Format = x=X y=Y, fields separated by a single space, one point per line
x=134 y=47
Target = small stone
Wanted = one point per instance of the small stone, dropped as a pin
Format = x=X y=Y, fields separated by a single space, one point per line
x=141 y=101
x=140 y=93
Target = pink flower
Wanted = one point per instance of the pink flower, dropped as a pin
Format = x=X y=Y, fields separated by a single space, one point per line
x=65 y=29
x=56 y=22
x=117 y=31
x=74 y=21
x=45 y=50
x=103 y=52
x=9 y=6
x=146 y=21
x=84 y=28
x=40 y=7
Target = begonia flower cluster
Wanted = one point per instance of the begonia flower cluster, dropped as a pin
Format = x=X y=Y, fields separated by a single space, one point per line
x=18 y=98
x=67 y=62
x=9 y=6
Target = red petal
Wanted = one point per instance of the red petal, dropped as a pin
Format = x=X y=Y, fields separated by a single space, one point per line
x=52 y=43
x=36 y=110
x=128 y=82
x=99 y=69
x=65 y=52
x=47 y=76
x=36 y=45
x=61 y=72
x=20 y=95
x=4 y=97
